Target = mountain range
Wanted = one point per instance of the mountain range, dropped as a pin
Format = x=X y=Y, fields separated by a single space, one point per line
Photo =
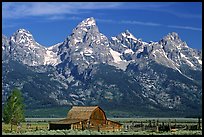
x=122 y=74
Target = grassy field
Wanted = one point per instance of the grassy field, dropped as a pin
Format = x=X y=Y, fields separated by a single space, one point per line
x=165 y=120
x=6 y=128
x=39 y=126
x=87 y=132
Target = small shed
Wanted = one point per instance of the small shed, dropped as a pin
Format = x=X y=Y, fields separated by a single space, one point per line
x=86 y=117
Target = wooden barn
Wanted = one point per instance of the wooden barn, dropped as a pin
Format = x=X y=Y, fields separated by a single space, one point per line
x=86 y=117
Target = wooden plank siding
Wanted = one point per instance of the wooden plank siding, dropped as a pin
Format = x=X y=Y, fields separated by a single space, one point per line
x=86 y=117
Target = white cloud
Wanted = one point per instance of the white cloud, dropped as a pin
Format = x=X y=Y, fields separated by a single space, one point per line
x=56 y=18
x=185 y=27
x=61 y=17
x=106 y=20
x=184 y=15
x=151 y=24
x=58 y=11
x=140 y=23
x=24 y=9
x=128 y=22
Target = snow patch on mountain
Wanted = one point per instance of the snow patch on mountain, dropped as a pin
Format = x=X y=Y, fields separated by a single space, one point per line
x=116 y=56
x=114 y=38
x=199 y=61
x=87 y=23
x=186 y=59
x=23 y=37
x=88 y=51
x=128 y=51
x=50 y=58
x=129 y=35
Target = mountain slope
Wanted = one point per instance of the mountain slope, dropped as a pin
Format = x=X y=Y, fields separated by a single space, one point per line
x=121 y=74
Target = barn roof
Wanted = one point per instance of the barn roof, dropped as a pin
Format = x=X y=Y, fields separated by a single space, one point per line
x=81 y=112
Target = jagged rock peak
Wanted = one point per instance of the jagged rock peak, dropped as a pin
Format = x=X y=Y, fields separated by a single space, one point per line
x=86 y=25
x=127 y=34
x=88 y=22
x=23 y=31
x=22 y=36
x=172 y=36
x=3 y=37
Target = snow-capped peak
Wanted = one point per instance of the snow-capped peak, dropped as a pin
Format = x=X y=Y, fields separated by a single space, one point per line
x=172 y=41
x=87 y=23
x=127 y=34
x=22 y=37
x=172 y=36
x=4 y=39
x=23 y=31
x=3 y=36
x=78 y=33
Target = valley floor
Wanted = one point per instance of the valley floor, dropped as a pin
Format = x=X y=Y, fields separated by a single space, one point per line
x=87 y=132
x=131 y=127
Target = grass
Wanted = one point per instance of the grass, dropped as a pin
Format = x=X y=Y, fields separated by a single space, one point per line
x=39 y=126
x=6 y=128
x=87 y=132
x=173 y=121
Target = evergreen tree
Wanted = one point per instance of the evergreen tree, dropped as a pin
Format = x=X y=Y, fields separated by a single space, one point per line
x=13 y=112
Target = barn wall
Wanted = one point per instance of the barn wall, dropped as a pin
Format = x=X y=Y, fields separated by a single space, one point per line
x=97 y=117
x=113 y=126
x=80 y=125
x=98 y=114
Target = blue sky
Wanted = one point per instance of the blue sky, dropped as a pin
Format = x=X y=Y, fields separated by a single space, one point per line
x=52 y=22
